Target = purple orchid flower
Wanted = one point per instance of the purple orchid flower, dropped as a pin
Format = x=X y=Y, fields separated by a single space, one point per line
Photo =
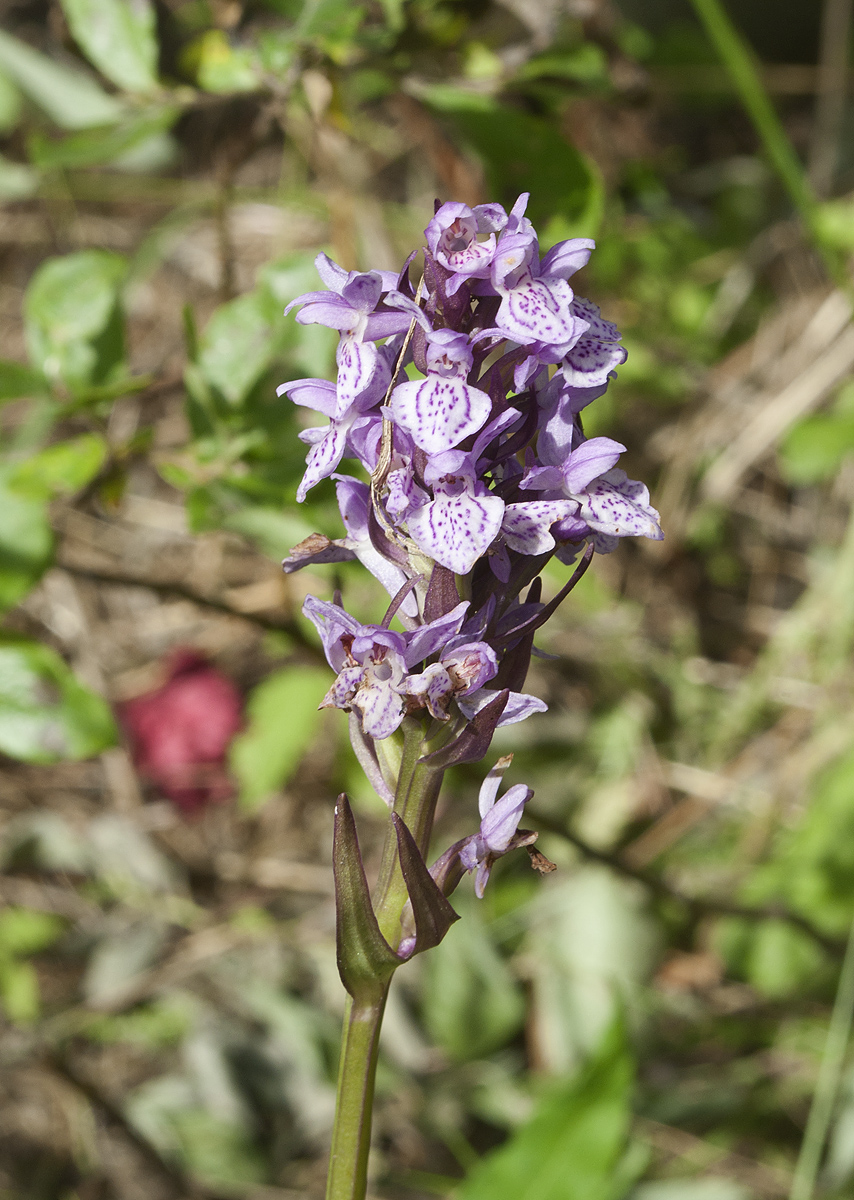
x=499 y=820
x=459 y=672
x=452 y=240
x=373 y=663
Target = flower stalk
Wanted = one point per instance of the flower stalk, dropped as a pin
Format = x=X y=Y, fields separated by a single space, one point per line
x=475 y=473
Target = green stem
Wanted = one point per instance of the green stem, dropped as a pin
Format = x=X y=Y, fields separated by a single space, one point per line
x=351 y=1136
x=415 y=801
x=740 y=64
x=827 y=1087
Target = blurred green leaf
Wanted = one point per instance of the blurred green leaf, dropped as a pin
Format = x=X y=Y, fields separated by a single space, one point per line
x=18 y=382
x=17 y=180
x=104 y=145
x=10 y=104
x=45 y=713
x=814 y=449
x=119 y=37
x=571 y=1146
x=471 y=1002
x=236 y=346
x=19 y=991
x=26 y=543
x=25 y=931
x=585 y=63
x=70 y=98
x=220 y=67
x=61 y=469
x=70 y=303
x=283 y=718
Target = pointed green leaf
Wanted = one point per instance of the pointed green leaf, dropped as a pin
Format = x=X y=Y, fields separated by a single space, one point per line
x=26 y=543
x=70 y=98
x=366 y=962
x=432 y=912
x=119 y=37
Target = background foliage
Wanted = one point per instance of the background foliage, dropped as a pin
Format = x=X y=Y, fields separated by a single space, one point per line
x=649 y=1021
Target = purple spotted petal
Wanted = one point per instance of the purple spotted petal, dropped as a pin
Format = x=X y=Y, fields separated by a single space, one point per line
x=456 y=530
x=539 y=311
x=344 y=688
x=435 y=685
x=322 y=459
x=590 y=362
x=620 y=508
x=363 y=375
x=380 y=707
x=590 y=460
x=525 y=527
x=598 y=327
x=438 y=412
x=331 y=622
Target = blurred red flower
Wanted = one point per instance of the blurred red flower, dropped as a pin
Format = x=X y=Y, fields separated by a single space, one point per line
x=179 y=733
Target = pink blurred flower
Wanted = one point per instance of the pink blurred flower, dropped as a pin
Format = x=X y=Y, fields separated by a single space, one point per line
x=179 y=733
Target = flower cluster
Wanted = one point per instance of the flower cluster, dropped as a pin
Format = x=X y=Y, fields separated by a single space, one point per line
x=461 y=399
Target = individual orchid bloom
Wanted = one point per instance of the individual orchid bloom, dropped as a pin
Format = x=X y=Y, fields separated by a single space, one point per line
x=373 y=663
x=350 y=304
x=459 y=671
x=608 y=501
x=452 y=240
x=499 y=821
x=462 y=520
x=533 y=309
x=441 y=410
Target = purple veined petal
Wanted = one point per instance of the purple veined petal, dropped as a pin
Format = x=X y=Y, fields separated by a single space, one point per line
x=427 y=639
x=362 y=374
x=512 y=262
x=598 y=327
x=589 y=461
x=333 y=276
x=381 y=708
x=438 y=412
x=526 y=526
x=332 y=311
x=538 y=311
x=620 y=510
x=456 y=531
x=475 y=259
x=472 y=664
x=489 y=788
x=344 y=688
x=322 y=459
x=565 y=258
x=410 y=308
x=330 y=621
x=353 y=497
x=590 y=362
x=319 y=394
x=501 y=424
x=362 y=292
x=502 y=820
x=519 y=706
x=524 y=372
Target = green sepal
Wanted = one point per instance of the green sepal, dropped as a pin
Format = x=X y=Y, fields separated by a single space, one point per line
x=366 y=961
x=432 y=913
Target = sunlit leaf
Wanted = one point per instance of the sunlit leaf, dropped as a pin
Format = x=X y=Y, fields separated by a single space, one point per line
x=10 y=104
x=69 y=97
x=236 y=346
x=69 y=305
x=60 y=469
x=45 y=713
x=18 y=382
x=19 y=991
x=17 y=180
x=25 y=931
x=571 y=1146
x=283 y=718
x=119 y=37
x=220 y=67
x=105 y=145
x=26 y=543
